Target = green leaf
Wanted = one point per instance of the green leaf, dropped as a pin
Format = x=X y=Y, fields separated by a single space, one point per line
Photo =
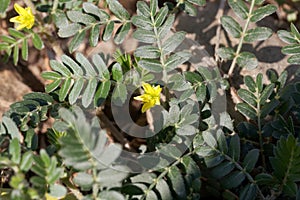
x=143 y=22
x=259 y=82
x=186 y=130
x=120 y=94
x=246 y=110
x=15 y=150
x=222 y=143
x=76 y=41
x=65 y=88
x=144 y=36
x=234 y=148
x=163 y=188
x=165 y=28
x=295 y=59
x=161 y=16
x=109 y=28
x=68 y=30
x=117 y=73
x=291 y=49
x=37 y=41
x=173 y=42
x=287 y=37
x=112 y=176
x=89 y=92
x=100 y=66
x=262 y=12
x=266 y=93
x=249 y=192
x=110 y=195
x=16 y=55
x=57 y=191
x=198 y=2
x=226 y=53
x=45 y=158
x=25 y=49
x=250 y=160
x=4 y=5
x=86 y=65
x=11 y=127
x=53 y=85
x=57 y=66
x=143 y=9
x=17 y=34
x=60 y=19
x=209 y=139
x=26 y=161
x=177 y=182
x=233 y=180
x=8 y=39
x=231 y=26
x=258 y=34
x=295 y=31
x=94 y=35
x=176 y=60
x=84 y=180
x=153 y=7
x=101 y=93
x=147 y=51
x=116 y=8
x=94 y=10
x=249 y=82
x=76 y=69
x=76 y=90
x=269 y=107
x=247 y=97
x=121 y=33
x=151 y=65
x=239 y=8
x=247 y=60
x=222 y=170
x=284 y=163
x=190 y=8
x=79 y=17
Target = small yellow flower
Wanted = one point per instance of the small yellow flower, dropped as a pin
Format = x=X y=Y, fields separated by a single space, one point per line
x=25 y=18
x=151 y=96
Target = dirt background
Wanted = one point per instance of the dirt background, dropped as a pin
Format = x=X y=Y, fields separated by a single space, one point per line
x=15 y=81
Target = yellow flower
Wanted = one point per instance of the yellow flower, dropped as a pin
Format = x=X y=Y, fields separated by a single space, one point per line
x=151 y=96
x=25 y=18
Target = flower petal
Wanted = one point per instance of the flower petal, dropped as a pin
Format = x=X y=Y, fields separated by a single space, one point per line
x=15 y=19
x=145 y=107
x=19 y=9
x=147 y=87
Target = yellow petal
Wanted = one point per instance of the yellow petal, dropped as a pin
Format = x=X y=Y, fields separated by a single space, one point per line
x=147 y=87
x=139 y=98
x=15 y=19
x=145 y=107
x=19 y=9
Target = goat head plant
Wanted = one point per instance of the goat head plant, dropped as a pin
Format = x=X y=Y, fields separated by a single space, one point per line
x=152 y=123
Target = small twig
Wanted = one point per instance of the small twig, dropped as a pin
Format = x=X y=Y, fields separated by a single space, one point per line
x=220 y=13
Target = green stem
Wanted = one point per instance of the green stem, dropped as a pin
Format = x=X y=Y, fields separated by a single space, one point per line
x=239 y=48
x=162 y=58
x=261 y=142
x=54 y=7
x=162 y=175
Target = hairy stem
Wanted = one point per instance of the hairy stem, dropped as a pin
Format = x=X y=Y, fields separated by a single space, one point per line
x=239 y=48
x=261 y=142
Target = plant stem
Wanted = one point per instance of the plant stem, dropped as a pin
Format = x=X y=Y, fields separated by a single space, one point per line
x=54 y=7
x=239 y=48
x=261 y=143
